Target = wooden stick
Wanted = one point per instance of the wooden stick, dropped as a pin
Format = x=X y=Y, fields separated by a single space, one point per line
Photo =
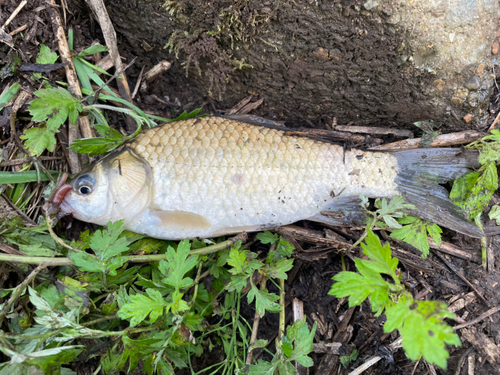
x=10 y=163
x=74 y=86
x=442 y=140
x=15 y=13
x=374 y=130
x=370 y=362
x=450 y=249
x=491 y=311
x=109 y=33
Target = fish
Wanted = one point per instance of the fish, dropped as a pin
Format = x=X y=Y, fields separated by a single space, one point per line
x=212 y=176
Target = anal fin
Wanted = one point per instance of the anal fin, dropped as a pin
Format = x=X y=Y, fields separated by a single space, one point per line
x=343 y=211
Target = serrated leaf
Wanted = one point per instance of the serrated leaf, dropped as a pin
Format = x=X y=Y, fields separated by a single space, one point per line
x=177 y=264
x=416 y=234
x=37 y=140
x=54 y=105
x=46 y=56
x=85 y=262
x=262 y=368
x=263 y=300
x=380 y=255
x=267 y=237
x=141 y=305
x=423 y=330
x=279 y=269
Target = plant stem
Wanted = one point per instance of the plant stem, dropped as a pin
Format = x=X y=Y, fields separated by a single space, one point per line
x=281 y=331
x=60 y=261
x=255 y=327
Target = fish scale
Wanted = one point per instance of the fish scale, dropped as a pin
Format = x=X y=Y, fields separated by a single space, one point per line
x=244 y=176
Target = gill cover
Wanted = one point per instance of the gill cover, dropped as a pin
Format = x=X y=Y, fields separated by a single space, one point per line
x=129 y=179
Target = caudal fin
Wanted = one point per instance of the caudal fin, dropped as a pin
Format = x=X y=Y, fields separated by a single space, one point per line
x=420 y=173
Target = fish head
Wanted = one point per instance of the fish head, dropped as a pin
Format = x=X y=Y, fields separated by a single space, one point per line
x=115 y=188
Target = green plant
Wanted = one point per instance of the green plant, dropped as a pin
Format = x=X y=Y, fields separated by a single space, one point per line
x=420 y=323
x=391 y=215
x=474 y=191
x=155 y=313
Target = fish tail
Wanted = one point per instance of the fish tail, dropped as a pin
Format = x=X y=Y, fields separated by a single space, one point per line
x=420 y=171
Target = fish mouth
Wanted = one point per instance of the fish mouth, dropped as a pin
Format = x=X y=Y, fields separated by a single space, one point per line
x=56 y=202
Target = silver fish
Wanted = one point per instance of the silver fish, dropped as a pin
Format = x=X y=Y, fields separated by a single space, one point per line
x=213 y=176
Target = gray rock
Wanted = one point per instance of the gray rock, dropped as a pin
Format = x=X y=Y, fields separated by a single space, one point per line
x=473 y=83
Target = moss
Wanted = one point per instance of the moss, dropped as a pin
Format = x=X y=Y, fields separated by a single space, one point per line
x=204 y=49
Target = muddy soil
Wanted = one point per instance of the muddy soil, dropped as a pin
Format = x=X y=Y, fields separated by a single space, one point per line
x=295 y=96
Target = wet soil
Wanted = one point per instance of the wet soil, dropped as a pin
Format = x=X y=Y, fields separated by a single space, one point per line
x=294 y=96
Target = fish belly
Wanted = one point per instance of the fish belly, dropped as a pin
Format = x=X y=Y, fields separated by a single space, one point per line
x=220 y=176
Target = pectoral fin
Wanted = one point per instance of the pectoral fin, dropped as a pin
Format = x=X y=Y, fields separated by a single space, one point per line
x=181 y=220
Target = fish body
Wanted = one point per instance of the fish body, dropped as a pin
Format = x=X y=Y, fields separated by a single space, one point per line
x=213 y=176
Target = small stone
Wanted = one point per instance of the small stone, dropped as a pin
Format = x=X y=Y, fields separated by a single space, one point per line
x=457 y=101
x=480 y=69
x=473 y=83
x=494 y=48
x=370 y=4
x=462 y=93
x=473 y=99
x=322 y=53
x=439 y=84
x=468 y=118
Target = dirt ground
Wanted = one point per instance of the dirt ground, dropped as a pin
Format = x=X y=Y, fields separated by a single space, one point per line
x=319 y=261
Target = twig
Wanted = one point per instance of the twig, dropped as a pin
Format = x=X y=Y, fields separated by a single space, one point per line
x=74 y=86
x=138 y=83
x=18 y=30
x=497 y=120
x=109 y=33
x=10 y=163
x=450 y=249
x=462 y=359
x=15 y=13
x=450 y=266
x=374 y=130
x=9 y=249
x=19 y=290
x=442 y=140
x=479 y=318
x=298 y=314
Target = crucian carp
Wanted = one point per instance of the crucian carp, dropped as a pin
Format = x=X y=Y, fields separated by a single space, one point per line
x=212 y=176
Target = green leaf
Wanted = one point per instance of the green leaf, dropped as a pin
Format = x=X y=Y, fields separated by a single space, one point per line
x=37 y=140
x=267 y=237
x=380 y=255
x=54 y=106
x=22 y=177
x=473 y=191
x=177 y=264
x=346 y=359
x=107 y=244
x=263 y=300
x=494 y=214
x=262 y=368
x=279 y=269
x=136 y=350
x=141 y=305
x=423 y=330
x=92 y=50
x=85 y=262
x=46 y=56
x=9 y=94
x=416 y=234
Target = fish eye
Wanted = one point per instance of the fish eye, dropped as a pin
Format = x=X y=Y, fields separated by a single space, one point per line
x=85 y=184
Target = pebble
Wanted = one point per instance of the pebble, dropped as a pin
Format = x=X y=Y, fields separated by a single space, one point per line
x=468 y=118
x=473 y=83
x=439 y=84
x=494 y=48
